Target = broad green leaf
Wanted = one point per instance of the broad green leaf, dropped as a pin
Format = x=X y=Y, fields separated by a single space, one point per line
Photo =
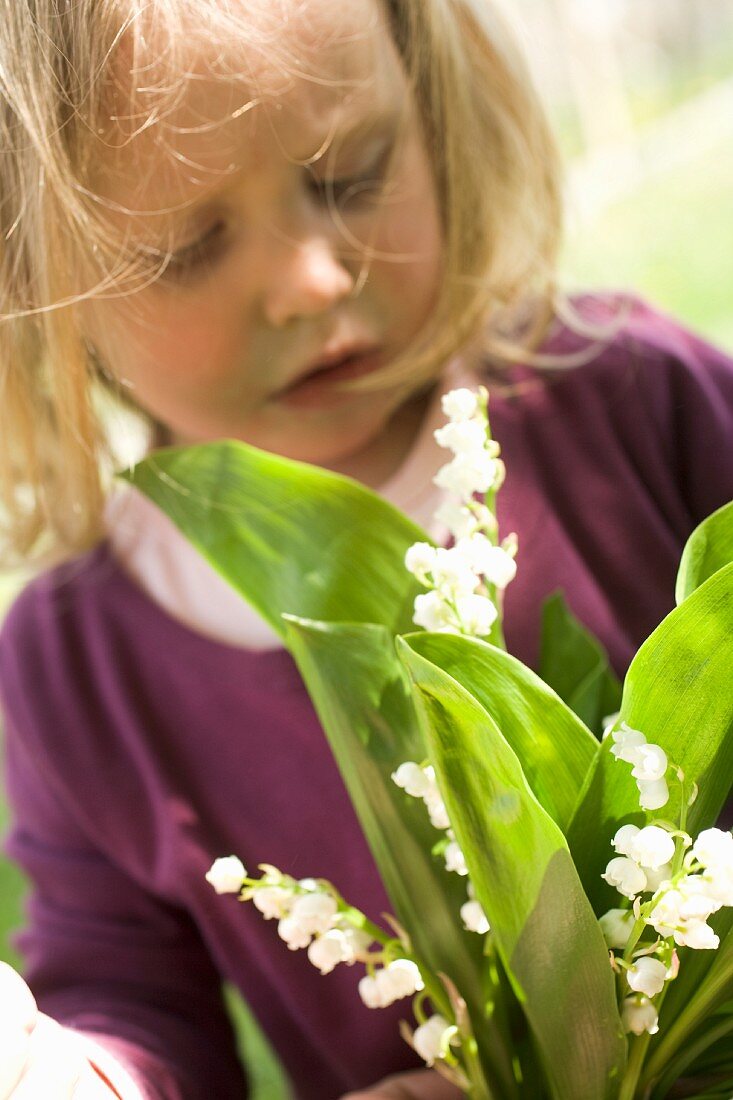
x=708 y=549
x=363 y=700
x=679 y=693
x=288 y=536
x=553 y=746
x=548 y=938
x=575 y=665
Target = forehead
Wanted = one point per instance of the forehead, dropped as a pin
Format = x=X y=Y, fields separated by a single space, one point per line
x=286 y=73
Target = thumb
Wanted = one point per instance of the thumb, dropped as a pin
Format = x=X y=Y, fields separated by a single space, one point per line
x=17 y=1004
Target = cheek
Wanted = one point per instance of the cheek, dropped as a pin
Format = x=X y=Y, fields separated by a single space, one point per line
x=410 y=232
x=183 y=343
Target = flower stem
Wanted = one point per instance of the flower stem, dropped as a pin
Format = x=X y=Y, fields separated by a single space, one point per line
x=633 y=1068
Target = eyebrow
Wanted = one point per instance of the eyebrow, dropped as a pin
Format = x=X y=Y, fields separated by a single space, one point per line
x=347 y=131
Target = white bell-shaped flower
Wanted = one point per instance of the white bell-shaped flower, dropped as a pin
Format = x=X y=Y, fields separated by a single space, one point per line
x=624 y=838
x=714 y=848
x=647 y=976
x=459 y=405
x=436 y=809
x=462 y=437
x=370 y=992
x=697 y=935
x=429 y=1038
x=412 y=779
x=226 y=875
x=401 y=978
x=468 y=474
x=460 y=520
x=650 y=763
x=625 y=743
x=293 y=933
x=272 y=901
x=328 y=950
x=420 y=560
x=431 y=612
x=654 y=794
x=477 y=614
x=616 y=926
x=658 y=878
x=626 y=876
x=314 y=912
x=638 y=1015
x=652 y=847
x=473 y=917
x=452 y=573
x=454 y=859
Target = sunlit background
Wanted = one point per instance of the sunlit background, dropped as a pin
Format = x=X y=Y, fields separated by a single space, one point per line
x=641 y=94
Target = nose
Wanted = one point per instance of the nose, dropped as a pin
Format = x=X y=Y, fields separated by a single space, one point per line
x=309 y=280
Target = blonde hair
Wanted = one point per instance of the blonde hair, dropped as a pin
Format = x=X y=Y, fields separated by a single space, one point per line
x=497 y=178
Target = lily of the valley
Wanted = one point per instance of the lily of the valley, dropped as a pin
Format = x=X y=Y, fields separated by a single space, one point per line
x=226 y=875
x=432 y=1038
x=638 y=1015
x=400 y=978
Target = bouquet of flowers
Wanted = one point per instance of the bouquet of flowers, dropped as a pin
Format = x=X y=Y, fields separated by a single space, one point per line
x=563 y=901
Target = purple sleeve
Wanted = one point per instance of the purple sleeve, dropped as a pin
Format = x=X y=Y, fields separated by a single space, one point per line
x=103 y=955
x=688 y=387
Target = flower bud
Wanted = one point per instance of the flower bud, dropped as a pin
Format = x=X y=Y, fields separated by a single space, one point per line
x=638 y=1014
x=226 y=875
x=616 y=926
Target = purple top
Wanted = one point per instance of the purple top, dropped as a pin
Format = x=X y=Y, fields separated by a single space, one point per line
x=139 y=750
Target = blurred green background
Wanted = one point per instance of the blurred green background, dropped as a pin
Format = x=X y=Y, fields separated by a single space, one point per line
x=642 y=100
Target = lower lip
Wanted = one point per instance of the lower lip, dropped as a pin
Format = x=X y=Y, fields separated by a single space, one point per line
x=318 y=389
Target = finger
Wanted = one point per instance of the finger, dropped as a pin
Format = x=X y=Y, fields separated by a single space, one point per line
x=54 y=1066
x=17 y=1003
x=14 y=1044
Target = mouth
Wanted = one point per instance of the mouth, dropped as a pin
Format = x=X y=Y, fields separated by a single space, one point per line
x=319 y=386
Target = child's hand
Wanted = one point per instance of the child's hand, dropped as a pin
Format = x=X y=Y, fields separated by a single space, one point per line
x=37 y=1056
x=419 y=1084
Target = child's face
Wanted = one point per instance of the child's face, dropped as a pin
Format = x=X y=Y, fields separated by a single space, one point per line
x=214 y=349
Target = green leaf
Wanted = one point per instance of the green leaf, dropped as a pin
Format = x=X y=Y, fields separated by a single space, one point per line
x=363 y=700
x=679 y=693
x=708 y=549
x=575 y=665
x=547 y=936
x=288 y=536
x=553 y=746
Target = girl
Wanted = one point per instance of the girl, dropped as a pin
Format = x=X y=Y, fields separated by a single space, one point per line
x=294 y=223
